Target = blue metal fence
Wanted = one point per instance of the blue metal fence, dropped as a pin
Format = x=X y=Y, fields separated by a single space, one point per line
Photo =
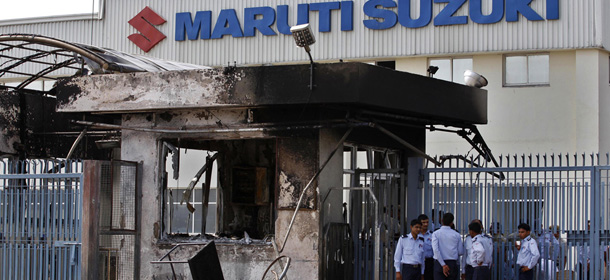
x=40 y=219
x=564 y=198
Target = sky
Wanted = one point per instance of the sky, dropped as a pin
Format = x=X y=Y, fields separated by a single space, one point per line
x=19 y=9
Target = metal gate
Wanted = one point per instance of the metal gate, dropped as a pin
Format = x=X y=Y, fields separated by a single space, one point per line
x=40 y=219
x=118 y=248
x=362 y=247
x=564 y=199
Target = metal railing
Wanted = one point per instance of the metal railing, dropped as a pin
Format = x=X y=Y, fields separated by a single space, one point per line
x=563 y=198
x=40 y=219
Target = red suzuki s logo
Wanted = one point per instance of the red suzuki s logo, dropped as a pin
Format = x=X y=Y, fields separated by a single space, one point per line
x=149 y=35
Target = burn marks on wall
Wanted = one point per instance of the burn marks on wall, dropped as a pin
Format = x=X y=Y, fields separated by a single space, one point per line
x=298 y=162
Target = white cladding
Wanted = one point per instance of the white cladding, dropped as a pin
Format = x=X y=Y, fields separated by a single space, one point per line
x=581 y=24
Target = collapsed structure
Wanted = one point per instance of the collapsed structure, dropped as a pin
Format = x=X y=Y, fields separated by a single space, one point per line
x=276 y=151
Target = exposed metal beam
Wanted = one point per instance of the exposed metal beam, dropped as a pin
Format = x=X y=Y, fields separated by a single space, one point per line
x=75 y=144
x=226 y=130
x=28 y=74
x=46 y=71
x=23 y=47
x=34 y=61
x=407 y=144
x=60 y=44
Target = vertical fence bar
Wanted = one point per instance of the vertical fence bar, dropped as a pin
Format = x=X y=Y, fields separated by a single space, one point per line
x=53 y=230
x=11 y=233
x=595 y=221
x=30 y=230
x=40 y=231
x=4 y=222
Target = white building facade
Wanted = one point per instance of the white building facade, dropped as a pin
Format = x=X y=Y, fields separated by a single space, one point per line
x=547 y=61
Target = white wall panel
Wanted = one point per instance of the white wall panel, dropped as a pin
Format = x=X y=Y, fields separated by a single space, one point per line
x=579 y=26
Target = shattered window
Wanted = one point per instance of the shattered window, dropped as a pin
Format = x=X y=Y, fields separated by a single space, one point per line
x=220 y=188
x=181 y=219
x=375 y=168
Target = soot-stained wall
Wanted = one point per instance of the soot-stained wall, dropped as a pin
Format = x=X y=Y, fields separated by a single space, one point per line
x=295 y=155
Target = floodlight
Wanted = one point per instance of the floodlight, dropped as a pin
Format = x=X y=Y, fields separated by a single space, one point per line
x=303 y=36
x=474 y=79
x=432 y=70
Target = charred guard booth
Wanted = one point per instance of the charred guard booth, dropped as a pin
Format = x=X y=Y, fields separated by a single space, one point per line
x=321 y=180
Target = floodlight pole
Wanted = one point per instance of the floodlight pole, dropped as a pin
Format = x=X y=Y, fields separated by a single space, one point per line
x=311 y=67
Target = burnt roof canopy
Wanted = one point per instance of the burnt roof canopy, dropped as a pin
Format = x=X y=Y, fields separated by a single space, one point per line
x=104 y=84
x=34 y=57
x=363 y=87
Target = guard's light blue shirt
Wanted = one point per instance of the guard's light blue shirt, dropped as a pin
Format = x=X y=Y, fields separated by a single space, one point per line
x=447 y=245
x=482 y=251
x=409 y=251
x=466 y=258
x=528 y=254
x=427 y=236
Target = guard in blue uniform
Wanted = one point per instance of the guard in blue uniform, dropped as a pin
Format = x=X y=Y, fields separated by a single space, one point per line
x=481 y=252
x=466 y=263
x=409 y=255
x=528 y=253
x=426 y=234
x=447 y=247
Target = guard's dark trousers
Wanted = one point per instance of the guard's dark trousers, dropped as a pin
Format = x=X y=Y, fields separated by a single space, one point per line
x=410 y=272
x=454 y=270
x=429 y=269
x=481 y=273
x=528 y=275
x=469 y=272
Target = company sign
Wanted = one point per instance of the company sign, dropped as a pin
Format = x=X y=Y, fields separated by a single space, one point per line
x=382 y=14
x=378 y=14
x=149 y=35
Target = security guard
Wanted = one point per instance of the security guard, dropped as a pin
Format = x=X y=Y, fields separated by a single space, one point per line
x=466 y=264
x=409 y=255
x=481 y=252
x=426 y=234
x=447 y=246
x=528 y=253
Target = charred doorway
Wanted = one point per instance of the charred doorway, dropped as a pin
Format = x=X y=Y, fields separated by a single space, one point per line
x=111 y=223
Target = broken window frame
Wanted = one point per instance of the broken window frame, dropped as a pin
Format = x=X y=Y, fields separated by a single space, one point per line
x=226 y=207
x=351 y=153
x=171 y=200
x=194 y=227
x=391 y=158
